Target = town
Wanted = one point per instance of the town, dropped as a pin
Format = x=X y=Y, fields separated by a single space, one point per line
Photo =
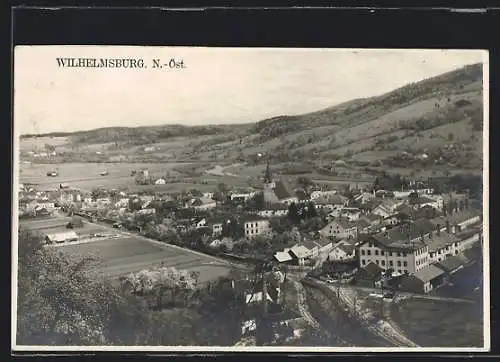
x=389 y=240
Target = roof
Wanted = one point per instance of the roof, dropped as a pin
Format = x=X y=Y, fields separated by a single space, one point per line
x=309 y=244
x=423 y=200
x=333 y=199
x=362 y=223
x=372 y=269
x=456 y=218
x=399 y=237
x=62 y=236
x=439 y=241
x=252 y=218
x=300 y=251
x=282 y=256
x=282 y=190
x=428 y=273
x=452 y=263
x=348 y=249
x=371 y=217
x=344 y=223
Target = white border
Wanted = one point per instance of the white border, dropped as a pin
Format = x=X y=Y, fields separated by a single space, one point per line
x=169 y=349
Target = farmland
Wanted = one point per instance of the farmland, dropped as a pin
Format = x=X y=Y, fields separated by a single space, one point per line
x=131 y=254
x=127 y=254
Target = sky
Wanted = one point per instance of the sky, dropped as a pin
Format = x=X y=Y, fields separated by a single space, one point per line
x=217 y=85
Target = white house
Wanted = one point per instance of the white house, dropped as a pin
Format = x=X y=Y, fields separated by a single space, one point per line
x=342 y=252
x=273 y=213
x=61 y=237
x=255 y=226
x=317 y=194
x=340 y=228
x=160 y=181
x=202 y=204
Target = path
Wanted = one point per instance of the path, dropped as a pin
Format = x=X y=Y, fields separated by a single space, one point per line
x=403 y=295
x=302 y=304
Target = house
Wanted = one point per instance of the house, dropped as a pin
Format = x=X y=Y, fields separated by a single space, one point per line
x=317 y=194
x=423 y=281
x=458 y=221
x=123 y=202
x=278 y=212
x=436 y=202
x=216 y=226
x=277 y=191
x=243 y=197
x=202 y=204
x=331 y=202
x=342 y=252
x=364 y=198
x=300 y=253
x=149 y=211
x=227 y=242
x=199 y=222
x=452 y=264
x=254 y=226
x=282 y=256
x=403 y=248
x=160 y=181
x=340 y=228
x=369 y=275
x=387 y=207
x=61 y=237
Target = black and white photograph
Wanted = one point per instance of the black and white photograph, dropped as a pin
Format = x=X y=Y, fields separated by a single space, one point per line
x=250 y=199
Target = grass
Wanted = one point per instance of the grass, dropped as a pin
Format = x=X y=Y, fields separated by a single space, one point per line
x=432 y=323
x=130 y=254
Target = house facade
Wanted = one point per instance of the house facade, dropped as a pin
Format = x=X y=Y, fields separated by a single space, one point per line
x=255 y=226
x=340 y=228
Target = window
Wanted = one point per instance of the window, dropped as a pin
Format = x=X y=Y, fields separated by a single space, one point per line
x=362 y=251
x=382 y=252
x=399 y=254
x=405 y=263
x=390 y=253
x=363 y=262
x=456 y=252
x=376 y=252
x=368 y=252
x=406 y=271
x=391 y=263
x=399 y=262
x=377 y=261
x=404 y=255
x=399 y=271
x=383 y=262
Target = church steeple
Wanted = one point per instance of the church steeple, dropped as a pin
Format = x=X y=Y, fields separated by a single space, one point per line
x=267 y=176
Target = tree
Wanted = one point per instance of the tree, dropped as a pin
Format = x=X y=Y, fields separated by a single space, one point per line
x=304 y=182
x=256 y=203
x=293 y=213
x=413 y=197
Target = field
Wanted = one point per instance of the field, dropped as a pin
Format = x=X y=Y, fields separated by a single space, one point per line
x=131 y=254
x=56 y=225
x=87 y=175
x=435 y=323
x=127 y=254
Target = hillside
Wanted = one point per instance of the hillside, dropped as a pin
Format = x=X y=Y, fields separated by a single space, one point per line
x=436 y=121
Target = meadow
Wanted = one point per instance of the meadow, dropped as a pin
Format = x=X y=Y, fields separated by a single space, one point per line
x=125 y=255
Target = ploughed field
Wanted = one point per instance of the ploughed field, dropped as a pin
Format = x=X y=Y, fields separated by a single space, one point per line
x=121 y=256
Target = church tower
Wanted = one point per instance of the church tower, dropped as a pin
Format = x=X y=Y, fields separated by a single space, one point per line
x=269 y=183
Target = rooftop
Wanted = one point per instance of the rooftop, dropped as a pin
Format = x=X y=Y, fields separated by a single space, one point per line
x=452 y=263
x=428 y=273
x=456 y=217
x=406 y=235
x=439 y=241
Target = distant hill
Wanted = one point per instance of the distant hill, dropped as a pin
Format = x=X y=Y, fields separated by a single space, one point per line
x=439 y=118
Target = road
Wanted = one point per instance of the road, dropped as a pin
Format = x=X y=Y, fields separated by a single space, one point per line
x=404 y=295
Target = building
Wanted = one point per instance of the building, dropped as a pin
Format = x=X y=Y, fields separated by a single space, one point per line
x=273 y=213
x=387 y=207
x=277 y=191
x=300 y=254
x=369 y=275
x=423 y=281
x=342 y=252
x=160 y=181
x=403 y=249
x=282 y=256
x=340 y=228
x=457 y=221
x=317 y=194
x=62 y=237
x=202 y=204
x=254 y=226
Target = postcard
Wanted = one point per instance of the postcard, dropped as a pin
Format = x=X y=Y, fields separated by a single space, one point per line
x=250 y=199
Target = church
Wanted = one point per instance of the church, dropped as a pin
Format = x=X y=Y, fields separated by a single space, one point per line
x=276 y=191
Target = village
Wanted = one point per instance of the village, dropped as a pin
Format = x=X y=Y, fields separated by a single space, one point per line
x=388 y=241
